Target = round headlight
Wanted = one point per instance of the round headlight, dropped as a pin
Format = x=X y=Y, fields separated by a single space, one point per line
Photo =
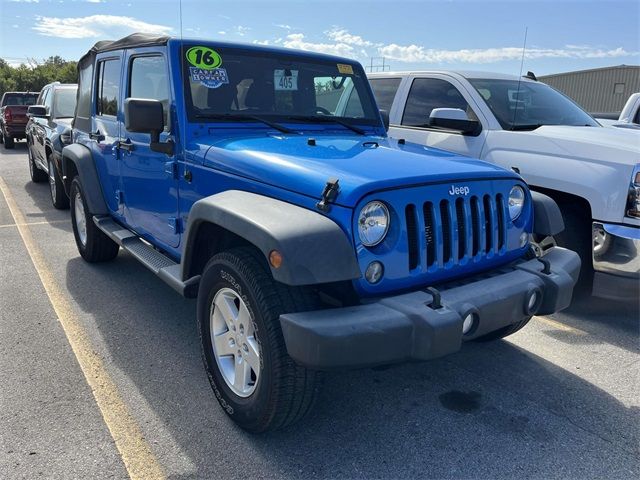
x=373 y=223
x=516 y=201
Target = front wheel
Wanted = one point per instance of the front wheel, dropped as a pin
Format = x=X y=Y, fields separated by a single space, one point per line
x=93 y=244
x=239 y=304
x=37 y=175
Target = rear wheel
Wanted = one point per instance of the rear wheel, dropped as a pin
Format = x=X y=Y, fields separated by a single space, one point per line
x=58 y=196
x=239 y=304
x=37 y=175
x=9 y=143
x=92 y=243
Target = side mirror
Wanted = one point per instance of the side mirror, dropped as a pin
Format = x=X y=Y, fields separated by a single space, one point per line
x=39 y=111
x=453 y=119
x=143 y=115
x=385 y=118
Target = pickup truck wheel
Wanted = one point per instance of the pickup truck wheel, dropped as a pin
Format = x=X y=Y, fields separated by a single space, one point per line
x=37 y=175
x=58 y=196
x=1 y=136
x=578 y=236
x=504 y=331
x=254 y=379
x=9 y=143
x=93 y=244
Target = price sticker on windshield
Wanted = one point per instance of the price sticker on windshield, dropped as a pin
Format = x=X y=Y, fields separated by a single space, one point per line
x=285 y=80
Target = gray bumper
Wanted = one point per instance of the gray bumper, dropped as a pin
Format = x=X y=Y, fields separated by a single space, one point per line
x=405 y=327
x=616 y=261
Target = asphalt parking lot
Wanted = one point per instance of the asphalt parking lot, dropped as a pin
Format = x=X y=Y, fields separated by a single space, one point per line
x=560 y=399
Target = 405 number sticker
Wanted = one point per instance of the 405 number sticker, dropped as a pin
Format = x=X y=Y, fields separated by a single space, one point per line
x=206 y=67
x=204 y=57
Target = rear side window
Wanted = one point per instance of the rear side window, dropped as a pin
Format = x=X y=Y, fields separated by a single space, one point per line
x=148 y=79
x=108 y=87
x=427 y=94
x=385 y=90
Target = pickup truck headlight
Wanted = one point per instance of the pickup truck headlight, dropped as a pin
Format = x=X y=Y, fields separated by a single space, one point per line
x=373 y=223
x=516 y=201
x=633 y=199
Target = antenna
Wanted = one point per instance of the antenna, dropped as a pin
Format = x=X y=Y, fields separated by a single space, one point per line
x=524 y=48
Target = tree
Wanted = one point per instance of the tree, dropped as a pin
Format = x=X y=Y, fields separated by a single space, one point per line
x=34 y=74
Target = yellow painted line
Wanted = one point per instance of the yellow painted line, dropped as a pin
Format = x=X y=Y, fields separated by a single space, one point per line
x=136 y=454
x=33 y=223
x=561 y=326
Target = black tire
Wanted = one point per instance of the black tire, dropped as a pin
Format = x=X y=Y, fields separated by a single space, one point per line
x=59 y=197
x=9 y=143
x=284 y=391
x=504 y=331
x=96 y=247
x=1 y=136
x=37 y=175
x=578 y=236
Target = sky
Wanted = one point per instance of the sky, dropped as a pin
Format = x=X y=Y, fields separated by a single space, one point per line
x=561 y=35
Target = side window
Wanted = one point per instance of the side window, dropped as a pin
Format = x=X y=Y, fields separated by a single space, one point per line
x=384 y=89
x=108 y=87
x=427 y=94
x=83 y=109
x=48 y=100
x=42 y=96
x=148 y=79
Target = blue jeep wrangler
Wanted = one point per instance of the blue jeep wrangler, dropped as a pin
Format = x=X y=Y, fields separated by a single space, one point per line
x=261 y=182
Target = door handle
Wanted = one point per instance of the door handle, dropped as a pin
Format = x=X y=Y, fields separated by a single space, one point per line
x=96 y=136
x=126 y=145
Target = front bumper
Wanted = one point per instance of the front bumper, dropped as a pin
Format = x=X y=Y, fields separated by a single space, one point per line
x=405 y=327
x=616 y=261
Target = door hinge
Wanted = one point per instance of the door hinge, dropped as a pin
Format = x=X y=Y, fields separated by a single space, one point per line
x=175 y=224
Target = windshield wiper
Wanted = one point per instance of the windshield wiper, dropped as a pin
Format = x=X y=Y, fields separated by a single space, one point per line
x=315 y=118
x=532 y=126
x=243 y=116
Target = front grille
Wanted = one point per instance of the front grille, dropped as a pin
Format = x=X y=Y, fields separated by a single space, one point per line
x=455 y=231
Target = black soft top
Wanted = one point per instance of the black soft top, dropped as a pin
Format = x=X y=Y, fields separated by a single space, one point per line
x=130 y=41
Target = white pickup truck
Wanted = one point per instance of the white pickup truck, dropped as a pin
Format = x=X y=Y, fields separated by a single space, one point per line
x=592 y=172
x=629 y=117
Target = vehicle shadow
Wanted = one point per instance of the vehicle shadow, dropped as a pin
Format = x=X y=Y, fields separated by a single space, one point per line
x=520 y=416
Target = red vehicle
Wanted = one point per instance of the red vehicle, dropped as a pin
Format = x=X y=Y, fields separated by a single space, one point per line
x=13 y=116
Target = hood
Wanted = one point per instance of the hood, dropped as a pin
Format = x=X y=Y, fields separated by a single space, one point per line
x=600 y=144
x=362 y=164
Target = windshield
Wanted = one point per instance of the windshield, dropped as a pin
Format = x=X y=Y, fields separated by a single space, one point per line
x=64 y=103
x=529 y=105
x=21 y=99
x=225 y=83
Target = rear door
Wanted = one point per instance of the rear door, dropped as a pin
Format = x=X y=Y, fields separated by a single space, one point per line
x=149 y=178
x=105 y=126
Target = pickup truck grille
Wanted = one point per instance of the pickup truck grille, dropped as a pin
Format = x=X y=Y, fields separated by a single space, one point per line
x=454 y=232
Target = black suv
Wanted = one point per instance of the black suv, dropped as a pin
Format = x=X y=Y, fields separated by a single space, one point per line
x=48 y=131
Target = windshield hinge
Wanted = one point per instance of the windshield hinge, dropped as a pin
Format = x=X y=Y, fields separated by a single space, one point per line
x=329 y=194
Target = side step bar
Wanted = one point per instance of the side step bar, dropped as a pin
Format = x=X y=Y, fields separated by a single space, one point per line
x=163 y=266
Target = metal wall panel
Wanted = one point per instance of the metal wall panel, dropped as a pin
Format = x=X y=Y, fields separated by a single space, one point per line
x=594 y=89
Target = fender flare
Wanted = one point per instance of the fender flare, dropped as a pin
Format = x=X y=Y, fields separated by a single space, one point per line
x=78 y=157
x=314 y=248
x=547 y=218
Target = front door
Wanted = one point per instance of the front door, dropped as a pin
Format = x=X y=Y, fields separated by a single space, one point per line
x=148 y=178
x=423 y=96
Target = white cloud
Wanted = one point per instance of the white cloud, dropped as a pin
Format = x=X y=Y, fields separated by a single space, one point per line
x=241 y=30
x=283 y=26
x=341 y=35
x=94 y=1
x=418 y=54
x=94 y=26
x=222 y=32
x=297 y=41
x=25 y=1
